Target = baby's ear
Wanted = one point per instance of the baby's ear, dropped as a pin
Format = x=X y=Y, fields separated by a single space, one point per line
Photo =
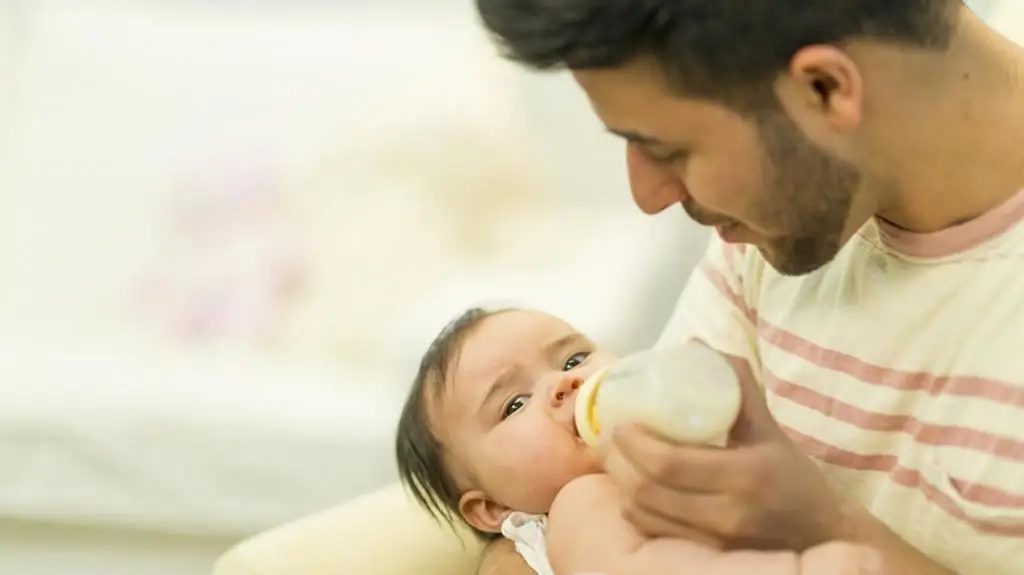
x=482 y=512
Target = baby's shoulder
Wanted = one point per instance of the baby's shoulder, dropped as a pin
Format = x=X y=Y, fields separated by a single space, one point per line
x=588 y=493
x=587 y=513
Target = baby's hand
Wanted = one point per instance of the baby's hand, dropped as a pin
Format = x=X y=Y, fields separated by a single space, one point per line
x=841 y=558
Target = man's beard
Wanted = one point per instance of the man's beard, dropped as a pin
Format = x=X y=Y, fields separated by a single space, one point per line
x=808 y=193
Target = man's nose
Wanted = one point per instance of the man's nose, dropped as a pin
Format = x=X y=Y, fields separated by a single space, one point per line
x=654 y=187
x=564 y=388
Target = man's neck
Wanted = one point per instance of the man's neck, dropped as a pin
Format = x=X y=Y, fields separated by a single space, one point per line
x=961 y=152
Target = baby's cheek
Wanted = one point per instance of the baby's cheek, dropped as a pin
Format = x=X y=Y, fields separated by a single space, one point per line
x=543 y=469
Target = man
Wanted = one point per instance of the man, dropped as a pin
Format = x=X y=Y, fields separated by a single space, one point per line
x=862 y=162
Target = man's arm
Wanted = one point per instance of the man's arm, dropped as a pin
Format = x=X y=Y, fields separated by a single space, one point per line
x=501 y=558
x=897 y=555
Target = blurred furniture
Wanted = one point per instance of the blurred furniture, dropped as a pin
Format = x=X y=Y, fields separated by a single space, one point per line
x=383 y=533
x=121 y=459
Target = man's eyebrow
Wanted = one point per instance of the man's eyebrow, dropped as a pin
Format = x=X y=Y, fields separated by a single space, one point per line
x=637 y=137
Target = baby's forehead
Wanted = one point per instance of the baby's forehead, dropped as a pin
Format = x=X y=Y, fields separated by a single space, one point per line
x=506 y=343
x=503 y=341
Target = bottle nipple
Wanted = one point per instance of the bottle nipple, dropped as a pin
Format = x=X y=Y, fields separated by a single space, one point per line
x=585 y=410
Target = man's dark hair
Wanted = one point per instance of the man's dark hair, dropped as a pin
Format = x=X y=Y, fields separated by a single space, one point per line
x=421 y=455
x=723 y=50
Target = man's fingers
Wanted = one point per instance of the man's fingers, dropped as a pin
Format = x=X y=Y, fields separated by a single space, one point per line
x=638 y=489
x=653 y=509
x=755 y=422
x=653 y=524
x=680 y=467
x=662 y=510
x=712 y=514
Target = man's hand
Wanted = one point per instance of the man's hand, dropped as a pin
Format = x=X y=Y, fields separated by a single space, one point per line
x=760 y=492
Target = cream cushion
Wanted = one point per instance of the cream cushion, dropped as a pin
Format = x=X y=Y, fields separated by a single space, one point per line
x=384 y=533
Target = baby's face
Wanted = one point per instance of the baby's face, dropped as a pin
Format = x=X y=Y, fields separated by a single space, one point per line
x=506 y=418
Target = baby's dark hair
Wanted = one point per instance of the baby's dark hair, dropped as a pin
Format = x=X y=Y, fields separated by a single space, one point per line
x=421 y=455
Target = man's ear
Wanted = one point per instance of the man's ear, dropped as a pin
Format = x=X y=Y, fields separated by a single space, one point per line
x=482 y=512
x=822 y=91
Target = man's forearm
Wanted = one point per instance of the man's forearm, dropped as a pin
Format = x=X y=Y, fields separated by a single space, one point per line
x=501 y=558
x=897 y=555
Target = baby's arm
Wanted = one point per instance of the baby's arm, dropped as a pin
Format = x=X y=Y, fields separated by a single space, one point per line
x=586 y=530
x=587 y=533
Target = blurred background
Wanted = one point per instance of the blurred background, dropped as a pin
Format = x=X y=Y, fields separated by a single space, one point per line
x=228 y=230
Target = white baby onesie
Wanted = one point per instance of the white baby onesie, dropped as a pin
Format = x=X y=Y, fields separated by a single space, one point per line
x=529 y=533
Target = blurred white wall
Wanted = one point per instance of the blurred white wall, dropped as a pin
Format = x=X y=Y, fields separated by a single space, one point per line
x=1007 y=16
x=117 y=102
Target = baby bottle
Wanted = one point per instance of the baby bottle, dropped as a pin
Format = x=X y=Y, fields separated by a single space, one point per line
x=688 y=393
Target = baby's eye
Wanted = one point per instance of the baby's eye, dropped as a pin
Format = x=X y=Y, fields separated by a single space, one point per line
x=515 y=405
x=575 y=360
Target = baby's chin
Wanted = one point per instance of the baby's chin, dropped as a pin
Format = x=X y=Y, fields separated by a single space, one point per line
x=588 y=466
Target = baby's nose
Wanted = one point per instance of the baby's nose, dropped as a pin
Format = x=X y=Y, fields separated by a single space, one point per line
x=565 y=387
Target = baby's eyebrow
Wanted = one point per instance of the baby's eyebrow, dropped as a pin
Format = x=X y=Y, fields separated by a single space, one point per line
x=504 y=381
x=565 y=341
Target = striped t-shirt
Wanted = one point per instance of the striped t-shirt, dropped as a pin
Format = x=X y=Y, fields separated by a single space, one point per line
x=900 y=367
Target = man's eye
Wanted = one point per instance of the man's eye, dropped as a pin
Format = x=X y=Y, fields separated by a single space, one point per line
x=517 y=403
x=575 y=360
x=666 y=159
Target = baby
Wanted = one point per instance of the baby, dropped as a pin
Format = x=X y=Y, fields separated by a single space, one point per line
x=487 y=436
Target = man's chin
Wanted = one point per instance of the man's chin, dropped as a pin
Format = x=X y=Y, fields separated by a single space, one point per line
x=791 y=264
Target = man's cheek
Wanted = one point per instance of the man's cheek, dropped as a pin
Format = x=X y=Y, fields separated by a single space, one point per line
x=726 y=192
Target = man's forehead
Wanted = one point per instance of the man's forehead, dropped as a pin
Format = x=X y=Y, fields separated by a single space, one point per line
x=641 y=72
